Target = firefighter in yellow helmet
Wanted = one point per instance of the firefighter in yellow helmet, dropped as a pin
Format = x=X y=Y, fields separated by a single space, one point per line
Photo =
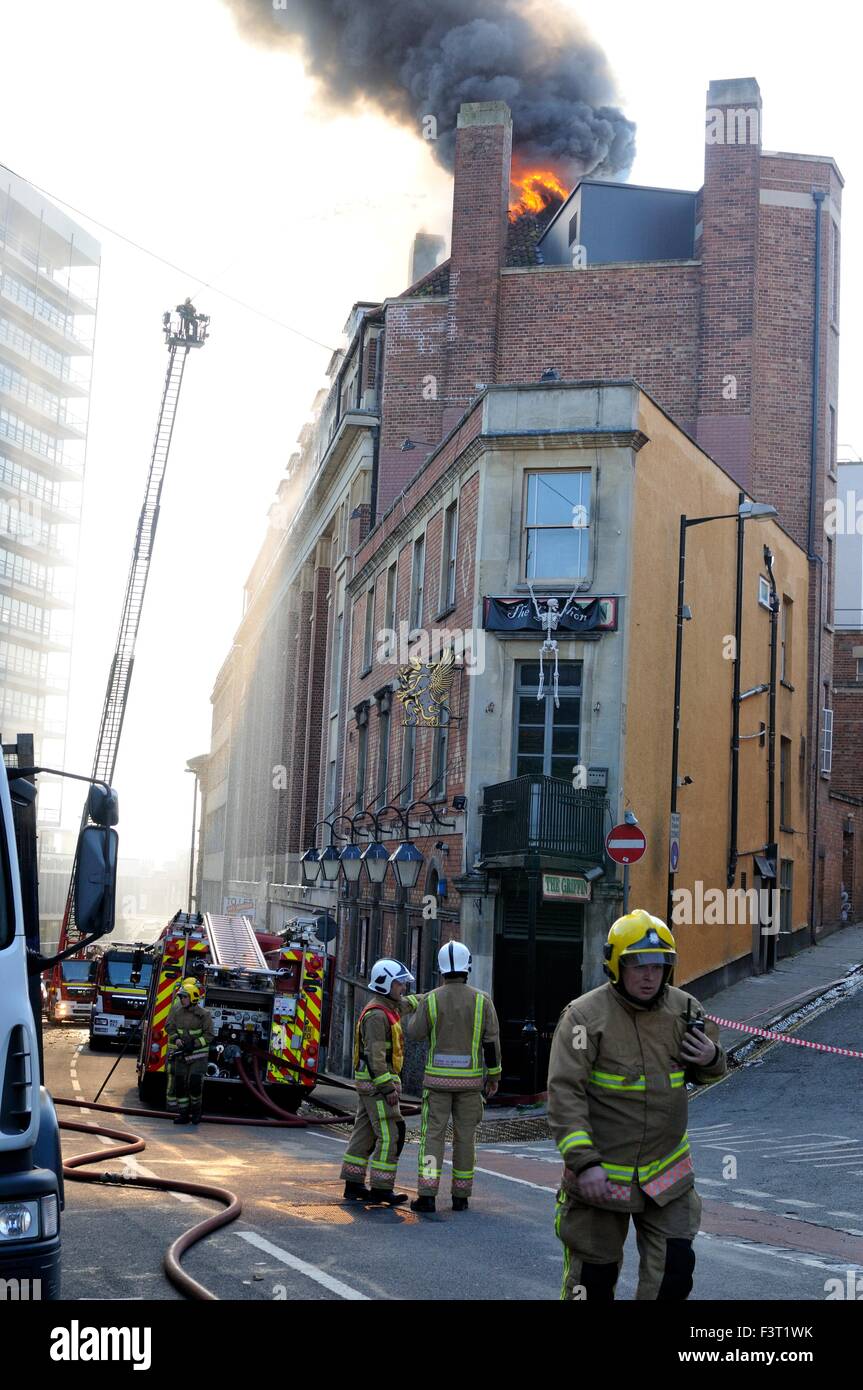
x=617 y=1107
x=189 y=1027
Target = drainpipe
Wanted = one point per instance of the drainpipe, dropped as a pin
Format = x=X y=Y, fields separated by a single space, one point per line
x=735 y=699
x=376 y=432
x=815 y=561
x=772 y=847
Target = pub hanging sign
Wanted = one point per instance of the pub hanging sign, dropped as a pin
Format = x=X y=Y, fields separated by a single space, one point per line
x=576 y=616
x=424 y=688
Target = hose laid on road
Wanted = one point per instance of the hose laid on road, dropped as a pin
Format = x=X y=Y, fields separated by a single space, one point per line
x=129 y=1143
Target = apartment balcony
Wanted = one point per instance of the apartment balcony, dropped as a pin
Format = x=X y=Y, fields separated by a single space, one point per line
x=48 y=459
x=49 y=367
x=75 y=292
x=43 y=409
x=57 y=329
x=39 y=496
x=545 y=817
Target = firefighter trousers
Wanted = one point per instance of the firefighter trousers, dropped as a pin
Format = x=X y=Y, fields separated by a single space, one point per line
x=378 y=1138
x=593 y=1240
x=188 y=1085
x=465 y=1109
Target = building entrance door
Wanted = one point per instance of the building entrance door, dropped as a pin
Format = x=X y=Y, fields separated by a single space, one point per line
x=559 y=943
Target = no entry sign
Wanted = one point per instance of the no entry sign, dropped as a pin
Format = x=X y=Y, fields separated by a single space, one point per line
x=625 y=844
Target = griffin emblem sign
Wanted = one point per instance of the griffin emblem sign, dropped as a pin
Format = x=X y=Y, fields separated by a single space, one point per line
x=424 y=688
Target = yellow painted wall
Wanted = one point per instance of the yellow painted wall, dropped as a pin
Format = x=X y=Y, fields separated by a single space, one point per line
x=672 y=476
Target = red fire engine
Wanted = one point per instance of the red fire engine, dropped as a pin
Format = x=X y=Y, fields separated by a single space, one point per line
x=270 y=1013
x=70 y=991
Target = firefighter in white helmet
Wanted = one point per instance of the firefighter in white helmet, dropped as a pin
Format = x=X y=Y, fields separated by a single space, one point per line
x=617 y=1107
x=463 y=1063
x=379 y=1129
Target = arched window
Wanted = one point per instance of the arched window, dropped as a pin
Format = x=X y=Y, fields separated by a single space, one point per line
x=425 y=936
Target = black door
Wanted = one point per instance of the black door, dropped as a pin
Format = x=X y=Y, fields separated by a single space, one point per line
x=559 y=943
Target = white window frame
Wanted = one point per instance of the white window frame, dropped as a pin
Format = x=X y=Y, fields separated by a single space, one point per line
x=449 y=557
x=415 y=617
x=527 y=527
x=764 y=592
x=826 y=742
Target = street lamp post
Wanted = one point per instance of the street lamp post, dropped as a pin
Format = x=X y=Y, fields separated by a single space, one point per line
x=746 y=511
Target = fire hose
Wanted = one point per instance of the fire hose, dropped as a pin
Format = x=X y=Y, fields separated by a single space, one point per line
x=130 y=1143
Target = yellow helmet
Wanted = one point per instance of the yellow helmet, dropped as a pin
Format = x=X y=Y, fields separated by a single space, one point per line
x=642 y=939
x=191 y=987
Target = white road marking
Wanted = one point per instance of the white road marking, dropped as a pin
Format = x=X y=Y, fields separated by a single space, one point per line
x=76 y=1084
x=522 y=1182
x=748 y=1206
x=310 y=1271
x=796 y=1202
x=750 y=1192
x=853 y=1215
x=795 y=1258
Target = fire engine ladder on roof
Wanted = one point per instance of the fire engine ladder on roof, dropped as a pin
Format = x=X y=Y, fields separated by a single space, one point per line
x=233 y=943
x=183 y=332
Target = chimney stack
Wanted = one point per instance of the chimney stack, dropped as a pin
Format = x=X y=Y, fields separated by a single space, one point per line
x=729 y=253
x=483 y=156
x=425 y=255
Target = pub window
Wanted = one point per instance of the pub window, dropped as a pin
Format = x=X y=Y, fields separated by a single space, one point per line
x=556 y=522
x=547 y=737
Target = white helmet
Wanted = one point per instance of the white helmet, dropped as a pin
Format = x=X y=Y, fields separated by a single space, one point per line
x=387 y=972
x=454 y=959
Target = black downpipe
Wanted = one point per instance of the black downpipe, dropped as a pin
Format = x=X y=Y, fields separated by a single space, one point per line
x=772 y=848
x=735 y=712
x=818 y=196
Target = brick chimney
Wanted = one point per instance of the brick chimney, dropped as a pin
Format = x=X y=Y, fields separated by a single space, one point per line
x=728 y=249
x=479 y=228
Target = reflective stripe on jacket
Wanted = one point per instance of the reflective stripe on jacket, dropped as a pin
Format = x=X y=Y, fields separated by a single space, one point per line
x=194 y=1024
x=378 y=1048
x=617 y=1095
x=463 y=1035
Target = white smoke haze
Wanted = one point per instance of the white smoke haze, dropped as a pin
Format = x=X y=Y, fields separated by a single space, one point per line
x=414 y=58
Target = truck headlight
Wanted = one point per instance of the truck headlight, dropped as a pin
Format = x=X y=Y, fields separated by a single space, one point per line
x=50 y=1216
x=19 y=1220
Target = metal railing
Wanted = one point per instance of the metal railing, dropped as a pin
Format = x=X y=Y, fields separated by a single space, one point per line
x=543 y=815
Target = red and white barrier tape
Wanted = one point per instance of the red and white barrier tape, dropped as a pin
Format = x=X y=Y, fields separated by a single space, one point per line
x=782 y=1037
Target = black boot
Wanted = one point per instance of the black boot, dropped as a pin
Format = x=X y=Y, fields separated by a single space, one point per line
x=182 y=1117
x=356 y=1192
x=195 y=1117
x=385 y=1197
x=424 y=1203
x=459 y=1204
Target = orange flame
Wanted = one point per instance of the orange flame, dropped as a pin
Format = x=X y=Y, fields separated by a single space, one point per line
x=535 y=189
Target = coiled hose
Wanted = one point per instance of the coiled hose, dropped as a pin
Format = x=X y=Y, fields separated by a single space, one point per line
x=130 y=1143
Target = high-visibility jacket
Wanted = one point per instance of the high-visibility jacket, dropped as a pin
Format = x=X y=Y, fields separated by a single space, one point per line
x=378 y=1048
x=617 y=1092
x=194 y=1025
x=463 y=1036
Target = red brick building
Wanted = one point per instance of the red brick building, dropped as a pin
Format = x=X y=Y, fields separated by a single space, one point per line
x=721 y=302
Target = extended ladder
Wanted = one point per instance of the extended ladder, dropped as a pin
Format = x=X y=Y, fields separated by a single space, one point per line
x=184 y=331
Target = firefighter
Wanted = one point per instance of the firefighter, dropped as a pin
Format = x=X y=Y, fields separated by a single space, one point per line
x=379 y=1130
x=463 y=1064
x=189 y=1027
x=617 y=1107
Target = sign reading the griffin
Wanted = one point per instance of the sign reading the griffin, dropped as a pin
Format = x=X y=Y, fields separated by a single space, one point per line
x=572 y=616
x=424 y=688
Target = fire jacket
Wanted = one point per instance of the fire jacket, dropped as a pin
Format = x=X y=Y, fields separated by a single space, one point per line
x=378 y=1048
x=617 y=1092
x=193 y=1025
x=463 y=1032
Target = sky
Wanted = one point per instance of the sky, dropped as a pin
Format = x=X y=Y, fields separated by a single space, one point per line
x=160 y=122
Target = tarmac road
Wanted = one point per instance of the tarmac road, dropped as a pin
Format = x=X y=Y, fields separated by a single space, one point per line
x=778 y=1149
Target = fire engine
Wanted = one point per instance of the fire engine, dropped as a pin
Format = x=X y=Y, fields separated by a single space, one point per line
x=270 y=1012
x=70 y=991
x=121 y=981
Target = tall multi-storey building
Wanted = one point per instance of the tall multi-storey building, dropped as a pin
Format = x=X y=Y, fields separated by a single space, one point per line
x=49 y=279
x=424 y=497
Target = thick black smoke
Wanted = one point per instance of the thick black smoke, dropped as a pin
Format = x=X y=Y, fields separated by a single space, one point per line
x=415 y=58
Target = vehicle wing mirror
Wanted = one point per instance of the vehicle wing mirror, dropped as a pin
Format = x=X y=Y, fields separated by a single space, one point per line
x=96 y=880
x=137 y=964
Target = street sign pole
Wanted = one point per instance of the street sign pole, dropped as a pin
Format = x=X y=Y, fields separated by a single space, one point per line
x=625 y=889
